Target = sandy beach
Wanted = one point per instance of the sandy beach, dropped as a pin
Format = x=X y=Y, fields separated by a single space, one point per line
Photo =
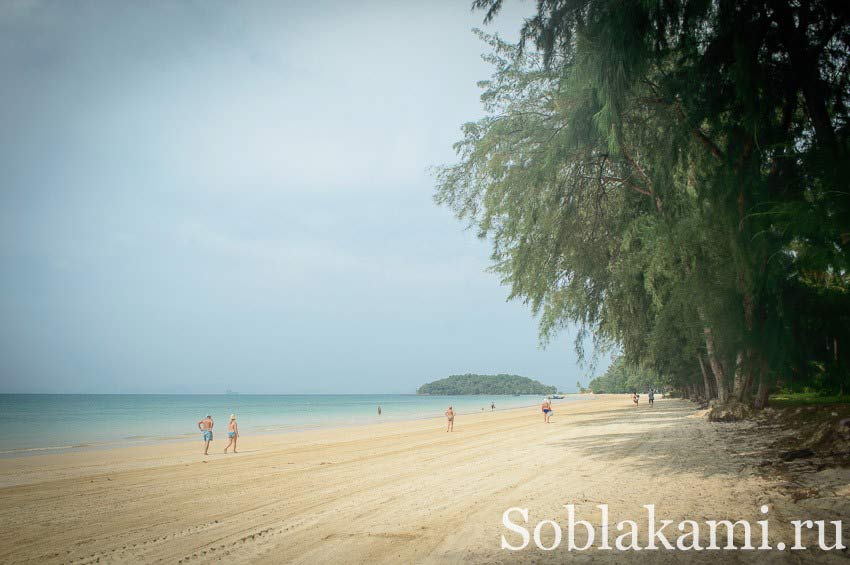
x=404 y=492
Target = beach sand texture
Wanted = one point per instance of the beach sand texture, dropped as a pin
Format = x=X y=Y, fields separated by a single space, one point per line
x=401 y=493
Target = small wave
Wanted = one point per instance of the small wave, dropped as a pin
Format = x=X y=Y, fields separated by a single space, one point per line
x=156 y=437
x=28 y=449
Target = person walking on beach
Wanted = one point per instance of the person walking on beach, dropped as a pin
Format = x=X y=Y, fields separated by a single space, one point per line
x=379 y=409
x=206 y=426
x=651 y=397
x=547 y=410
x=232 y=433
x=492 y=406
x=450 y=416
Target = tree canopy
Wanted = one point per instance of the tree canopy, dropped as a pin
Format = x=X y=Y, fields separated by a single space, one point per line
x=624 y=378
x=485 y=384
x=672 y=177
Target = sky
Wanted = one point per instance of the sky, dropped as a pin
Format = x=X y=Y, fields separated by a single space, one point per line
x=198 y=196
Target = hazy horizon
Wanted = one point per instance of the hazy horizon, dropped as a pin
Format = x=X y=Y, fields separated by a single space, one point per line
x=209 y=196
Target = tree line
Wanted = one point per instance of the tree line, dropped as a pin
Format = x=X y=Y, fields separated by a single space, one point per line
x=672 y=176
x=622 y=377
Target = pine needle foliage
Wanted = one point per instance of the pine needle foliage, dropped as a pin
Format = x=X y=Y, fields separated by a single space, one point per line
x=672 y=177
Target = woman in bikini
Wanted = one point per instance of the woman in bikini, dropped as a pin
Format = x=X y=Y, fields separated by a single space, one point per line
x=232 y=433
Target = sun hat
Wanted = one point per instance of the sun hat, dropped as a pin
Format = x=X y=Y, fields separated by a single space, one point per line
x=233 y=416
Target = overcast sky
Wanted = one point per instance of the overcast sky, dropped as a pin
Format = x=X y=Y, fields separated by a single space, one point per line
x=200 y=196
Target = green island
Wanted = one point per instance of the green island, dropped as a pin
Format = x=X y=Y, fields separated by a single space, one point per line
x=485 y=384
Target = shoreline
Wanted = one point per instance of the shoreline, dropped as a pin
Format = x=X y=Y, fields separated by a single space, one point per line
x=404 y=493
x=77 y=461
x=144 y=441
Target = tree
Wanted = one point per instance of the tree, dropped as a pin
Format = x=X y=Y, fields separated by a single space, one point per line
x=622 y=377
x=670 y=176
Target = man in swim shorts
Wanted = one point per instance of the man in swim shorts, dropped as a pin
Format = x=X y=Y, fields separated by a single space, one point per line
x=547 y=410
x=450 y=416
x=206 y=426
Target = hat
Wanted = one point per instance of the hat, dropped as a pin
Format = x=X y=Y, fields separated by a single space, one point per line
x=233 y=416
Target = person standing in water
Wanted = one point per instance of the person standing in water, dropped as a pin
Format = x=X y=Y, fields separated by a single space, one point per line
x=450 y=416
x=379 y=409
x=492 y=406
x=232 y=433
x=547 y=410
x=206 y=426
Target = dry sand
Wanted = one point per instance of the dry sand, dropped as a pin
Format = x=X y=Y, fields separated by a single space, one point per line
x=400 y=493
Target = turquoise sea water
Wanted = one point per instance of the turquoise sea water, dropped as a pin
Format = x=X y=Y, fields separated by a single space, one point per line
x=38 y=423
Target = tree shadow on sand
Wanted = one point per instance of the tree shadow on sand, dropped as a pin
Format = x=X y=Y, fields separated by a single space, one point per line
x=664 y=440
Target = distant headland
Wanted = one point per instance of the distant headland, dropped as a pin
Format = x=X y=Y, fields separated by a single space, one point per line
x=485 y=384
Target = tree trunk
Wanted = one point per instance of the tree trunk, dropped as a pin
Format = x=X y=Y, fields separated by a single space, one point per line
x=743 y=381
x=715 y=364
x=713 y=360
x=738 y=378
x=762 y=395
x=706 y=382
x=749 y=373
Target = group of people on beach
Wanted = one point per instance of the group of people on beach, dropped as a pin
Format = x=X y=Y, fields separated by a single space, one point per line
x=636 y=397
x=546 y=407
x=206 y=427
x=206 y=424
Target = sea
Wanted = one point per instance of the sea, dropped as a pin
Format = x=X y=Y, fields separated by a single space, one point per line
x=44 y=423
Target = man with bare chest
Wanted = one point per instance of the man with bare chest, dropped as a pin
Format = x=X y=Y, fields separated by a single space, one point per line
x=206 y=426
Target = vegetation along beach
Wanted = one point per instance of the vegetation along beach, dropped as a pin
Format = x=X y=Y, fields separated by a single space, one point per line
x=451 y=282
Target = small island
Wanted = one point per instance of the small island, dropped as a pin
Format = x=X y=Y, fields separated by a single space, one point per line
x=485 y=384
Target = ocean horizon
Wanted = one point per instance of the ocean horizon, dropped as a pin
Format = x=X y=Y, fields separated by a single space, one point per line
x=44 y=423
